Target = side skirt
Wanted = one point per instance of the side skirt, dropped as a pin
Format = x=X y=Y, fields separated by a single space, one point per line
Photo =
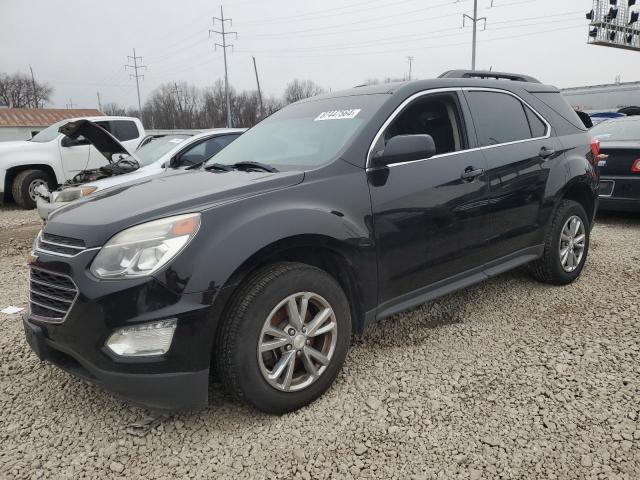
x=458 y=282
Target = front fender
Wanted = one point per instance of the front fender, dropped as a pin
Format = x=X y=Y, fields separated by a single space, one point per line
x=33 y=157
x=334 y=209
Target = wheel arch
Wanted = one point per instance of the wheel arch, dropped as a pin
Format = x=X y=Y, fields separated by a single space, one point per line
x=13 y=172
x=580 y=191
x=323 y=252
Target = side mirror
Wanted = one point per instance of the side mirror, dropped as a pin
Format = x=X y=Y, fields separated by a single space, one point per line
x=405 y=148
x=73 y=142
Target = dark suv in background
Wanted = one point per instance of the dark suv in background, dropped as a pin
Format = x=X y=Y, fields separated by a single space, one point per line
x=333 y=213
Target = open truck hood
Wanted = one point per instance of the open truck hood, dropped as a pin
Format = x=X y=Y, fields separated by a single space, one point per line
x=106 y=144
x=102 y=140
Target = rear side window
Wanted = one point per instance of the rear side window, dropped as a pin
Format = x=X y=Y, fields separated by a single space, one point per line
x=538 y=128
x=499 y=118
x=124 y=130
x=556 y=102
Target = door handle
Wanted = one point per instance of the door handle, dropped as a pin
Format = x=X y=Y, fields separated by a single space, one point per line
x=470 y=173
x=546 y=153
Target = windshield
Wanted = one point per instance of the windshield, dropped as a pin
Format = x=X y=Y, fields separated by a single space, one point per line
x=306 y=134
x=157 y=148
x=49 y=133
x=617 y=130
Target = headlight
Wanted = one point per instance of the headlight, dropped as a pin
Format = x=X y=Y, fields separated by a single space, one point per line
x=144 y=340
x=143 y=249
x=71 y=194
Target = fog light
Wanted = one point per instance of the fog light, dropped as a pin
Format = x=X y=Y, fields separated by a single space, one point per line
x=144 y=340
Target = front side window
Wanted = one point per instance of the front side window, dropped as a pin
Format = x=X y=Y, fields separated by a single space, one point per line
x=49 y=133
x=499 y=118
x=157 y=148
x=437 y=115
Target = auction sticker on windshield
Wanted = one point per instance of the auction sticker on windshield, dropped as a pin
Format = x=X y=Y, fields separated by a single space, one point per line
x=338 y=115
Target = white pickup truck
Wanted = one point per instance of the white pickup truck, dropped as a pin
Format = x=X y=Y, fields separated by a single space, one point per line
x=50 y=158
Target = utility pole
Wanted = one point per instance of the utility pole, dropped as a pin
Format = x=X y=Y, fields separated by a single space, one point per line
x=99 y=102
x=475 y=21
x=410 y=60
x=224 y=45
x=259 y=91
x=180 y=110
x=70 y=104
x=135 y=75
x=33 y=84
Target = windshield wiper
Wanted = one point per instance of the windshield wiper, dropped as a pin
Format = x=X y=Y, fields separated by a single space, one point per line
x=254 y=166
x=218 y=166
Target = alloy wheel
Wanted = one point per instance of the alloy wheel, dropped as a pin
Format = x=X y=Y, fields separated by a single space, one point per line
x=572 y=243
x=297 y=341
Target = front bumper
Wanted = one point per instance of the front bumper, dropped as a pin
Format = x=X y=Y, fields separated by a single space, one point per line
x=621 y=193
x=177 y=380
x=160 y=391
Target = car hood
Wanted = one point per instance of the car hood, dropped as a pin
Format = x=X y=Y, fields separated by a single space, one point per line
x=124 y=178
x=98 y=217
x=102 y=140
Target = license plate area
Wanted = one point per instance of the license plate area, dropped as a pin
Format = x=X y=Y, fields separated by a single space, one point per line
x=606 y=188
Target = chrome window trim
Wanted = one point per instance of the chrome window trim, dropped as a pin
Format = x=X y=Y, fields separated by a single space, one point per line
x=51 y=320
x=434 y=91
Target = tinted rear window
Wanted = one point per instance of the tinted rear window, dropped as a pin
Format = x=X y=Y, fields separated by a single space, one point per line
x=124 y=130
x=499 y=118
x=617 y=130
x=556 y=102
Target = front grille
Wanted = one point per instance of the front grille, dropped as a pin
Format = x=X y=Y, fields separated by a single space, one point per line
x=60 y=245
x=50 y=295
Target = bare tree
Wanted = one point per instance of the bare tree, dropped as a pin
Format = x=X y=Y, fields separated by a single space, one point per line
x=113 y=109
x=300 y=89
x=18 y=91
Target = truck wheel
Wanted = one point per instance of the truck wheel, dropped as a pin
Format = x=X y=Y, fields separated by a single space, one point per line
x=566 y=246
x=24 y=185
x=283 y=337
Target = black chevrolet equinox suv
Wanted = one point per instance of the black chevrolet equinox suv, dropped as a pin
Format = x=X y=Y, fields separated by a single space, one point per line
x=333 y=213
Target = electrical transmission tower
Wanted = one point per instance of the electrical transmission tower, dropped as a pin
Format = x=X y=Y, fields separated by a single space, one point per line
x=410 y=60
x=136 y=66
x=475 y=21
x=70 y=104
x=224 y=45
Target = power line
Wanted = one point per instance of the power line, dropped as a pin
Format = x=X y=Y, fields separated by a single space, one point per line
x=135 y=75
x=224 y=45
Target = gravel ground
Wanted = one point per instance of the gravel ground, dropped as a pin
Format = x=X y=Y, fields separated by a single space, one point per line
x=509 y=379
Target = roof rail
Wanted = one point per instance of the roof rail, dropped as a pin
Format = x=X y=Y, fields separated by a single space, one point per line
x=486 y=74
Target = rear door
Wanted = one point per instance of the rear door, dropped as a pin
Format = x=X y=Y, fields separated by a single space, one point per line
x=519 y=149
x=430 y=223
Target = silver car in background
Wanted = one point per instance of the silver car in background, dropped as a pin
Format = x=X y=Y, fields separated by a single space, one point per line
x=161 y=155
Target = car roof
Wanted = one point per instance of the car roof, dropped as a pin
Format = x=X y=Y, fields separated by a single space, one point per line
x=410 y=87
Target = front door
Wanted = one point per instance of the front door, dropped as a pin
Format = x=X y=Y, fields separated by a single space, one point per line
x=430 y=223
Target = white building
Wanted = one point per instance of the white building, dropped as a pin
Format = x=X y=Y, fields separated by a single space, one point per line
x=23 y=123
x=604 y=97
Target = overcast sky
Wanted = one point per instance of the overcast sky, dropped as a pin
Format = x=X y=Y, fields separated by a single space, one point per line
x=79 y=47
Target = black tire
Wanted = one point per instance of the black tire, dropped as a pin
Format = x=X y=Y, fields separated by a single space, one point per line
x=236 y=357
x=548 y=268
x=20 y=187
